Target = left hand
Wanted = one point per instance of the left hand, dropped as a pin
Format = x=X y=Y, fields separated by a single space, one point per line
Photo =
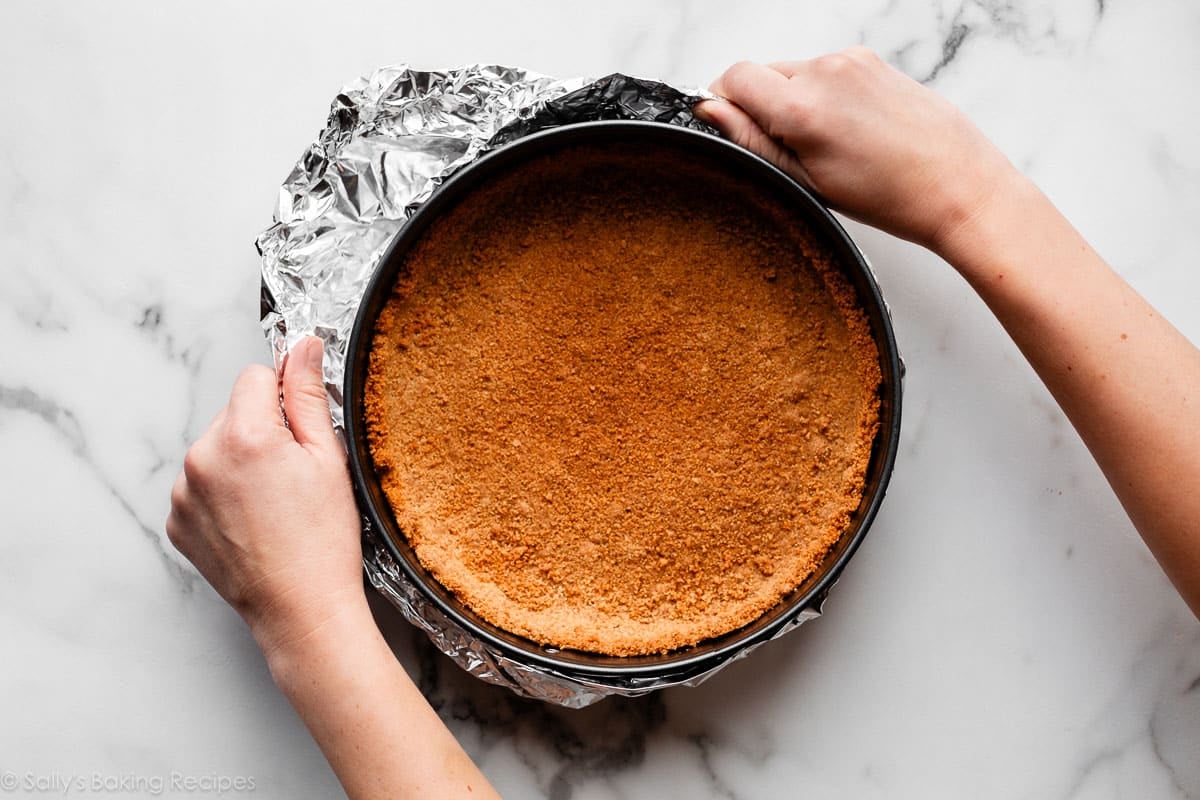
x=266 y=512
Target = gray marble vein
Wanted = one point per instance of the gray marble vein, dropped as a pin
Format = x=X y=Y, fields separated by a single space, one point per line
x=1001 y=633
x=66 y=425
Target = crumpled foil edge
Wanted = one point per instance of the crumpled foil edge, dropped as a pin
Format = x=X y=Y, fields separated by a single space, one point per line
x=390 y=139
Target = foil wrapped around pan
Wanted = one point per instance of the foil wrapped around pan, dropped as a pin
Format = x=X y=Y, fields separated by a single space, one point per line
x=391 y=138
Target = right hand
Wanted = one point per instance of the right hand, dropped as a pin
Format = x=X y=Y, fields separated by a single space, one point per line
x=871 y=141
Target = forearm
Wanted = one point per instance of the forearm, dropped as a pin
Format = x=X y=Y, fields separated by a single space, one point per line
x=375 y=728
x=1128 y=381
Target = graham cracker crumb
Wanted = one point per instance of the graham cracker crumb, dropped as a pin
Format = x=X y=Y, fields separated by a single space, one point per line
x=621 y=404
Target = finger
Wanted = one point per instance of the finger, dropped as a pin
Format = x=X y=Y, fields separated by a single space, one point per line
x=174 y=529
x=304 y=398
x=211 y=432
x=862 y=54
x=788 y=69
x=737 y=126
x=181 y=533
x=174 y=525
x=217 y=419
x=758 y=89
x=798 y=68
x=214 y=426
x=255 y=398
x=179 y=492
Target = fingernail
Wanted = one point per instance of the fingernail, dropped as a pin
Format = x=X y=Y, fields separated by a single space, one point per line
x=314 y=353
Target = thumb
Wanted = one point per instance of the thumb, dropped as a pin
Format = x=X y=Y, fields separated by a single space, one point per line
x=304 y=399
x=740 y=128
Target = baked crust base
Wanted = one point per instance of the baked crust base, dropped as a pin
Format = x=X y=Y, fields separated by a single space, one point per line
x=616 y=410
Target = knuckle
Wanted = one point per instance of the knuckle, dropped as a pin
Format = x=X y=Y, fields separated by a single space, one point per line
x=176 y=531
x=737 y=74
x=834 y=64
x=747 y=138
x=244 y=439
x=796 y=111
x=739 y=67
x=797 y=105
x=313 y=393
x=862 y=54
x=179 y=495
x=195 y=465
x=254 y=373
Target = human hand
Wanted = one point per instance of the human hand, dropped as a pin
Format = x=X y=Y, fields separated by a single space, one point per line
x=266 y=513
x=871 y=141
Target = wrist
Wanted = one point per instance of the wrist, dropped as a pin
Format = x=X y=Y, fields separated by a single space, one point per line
x=286 y=631
x=323 y=650
x=980 y=231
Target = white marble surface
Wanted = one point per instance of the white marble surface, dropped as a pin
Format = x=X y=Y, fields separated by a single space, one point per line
x=1002 y=633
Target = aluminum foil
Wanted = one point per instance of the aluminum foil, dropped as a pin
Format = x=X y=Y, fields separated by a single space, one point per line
x=391 y=138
